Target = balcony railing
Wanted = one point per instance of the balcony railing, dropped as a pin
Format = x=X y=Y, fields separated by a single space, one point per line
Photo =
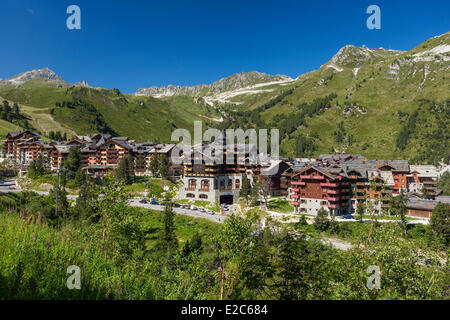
x=189 y=189
x=329 y=184
x=294 y=203
x=333 y=191
x=298 y=183
x=294 y=196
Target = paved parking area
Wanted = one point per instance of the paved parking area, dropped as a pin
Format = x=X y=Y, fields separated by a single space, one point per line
x=193 y=213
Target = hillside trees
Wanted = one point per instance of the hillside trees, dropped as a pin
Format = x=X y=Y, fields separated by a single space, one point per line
x=159 y=165
x=73 y=162
x=13 y=115
x=125 y=170
x=37 y=168
x=444 y=183
x=440 y=225
x=321 y=220
x=398 y=206
x=167 y=240
x=246 y=189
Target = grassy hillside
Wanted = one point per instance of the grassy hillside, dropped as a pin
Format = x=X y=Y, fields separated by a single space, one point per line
x=375 y=91
x=82 y=110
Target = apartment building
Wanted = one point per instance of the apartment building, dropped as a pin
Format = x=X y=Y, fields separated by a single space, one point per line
x=423 y=178
x=214 y=175
x=317 y=187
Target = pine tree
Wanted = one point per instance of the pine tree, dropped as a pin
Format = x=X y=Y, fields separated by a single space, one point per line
x=122 y=170
x=163 y=166
x=16 y=109
x=73 y=162
x=321 y=221
x=440 y=224
x=398 y=206
x=154 y=165
x=167 y=240
x=360 y=211
x=246 y=189
x=130 y=168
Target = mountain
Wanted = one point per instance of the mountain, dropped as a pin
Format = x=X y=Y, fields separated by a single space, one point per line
x=375 y=96
x=233 y=82
x=376 y=102
x=44 y=74
x=82 y=83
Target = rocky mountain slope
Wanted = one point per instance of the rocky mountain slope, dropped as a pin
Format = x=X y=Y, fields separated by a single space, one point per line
x=233 y=82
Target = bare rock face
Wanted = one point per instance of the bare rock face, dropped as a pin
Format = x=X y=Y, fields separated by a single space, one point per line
x=45 y=74
x=82 y=83
x=233 y=82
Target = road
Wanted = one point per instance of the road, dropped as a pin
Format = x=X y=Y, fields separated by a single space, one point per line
x=193 y=213
x=9 y=185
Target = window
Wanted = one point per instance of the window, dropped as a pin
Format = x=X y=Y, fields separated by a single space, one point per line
x=205 y=184
x=192 y=183
x=190 y=195
x=230 y=184
x=238 y=184
x=203 y=196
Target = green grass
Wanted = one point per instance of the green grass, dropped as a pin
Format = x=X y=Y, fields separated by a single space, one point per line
x=34 y=259
x=6 y=127
x=185 y=227
x=280 y=205
x=201 y=203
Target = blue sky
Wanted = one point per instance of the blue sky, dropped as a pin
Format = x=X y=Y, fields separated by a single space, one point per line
x=133 y=44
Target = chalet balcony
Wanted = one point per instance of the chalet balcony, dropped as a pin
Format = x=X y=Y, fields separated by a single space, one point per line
x=294 y=203
x=298 y=183
x=204 y=189
x=360 y=197
x=360 y=183
x=294 y=196
x=333 y=206
x=329 y=185
x=295 y=190
x=333 y=191
x=333 y=198
x=189 y=189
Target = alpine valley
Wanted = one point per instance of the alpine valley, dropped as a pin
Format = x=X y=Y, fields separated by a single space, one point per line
x=377 y=102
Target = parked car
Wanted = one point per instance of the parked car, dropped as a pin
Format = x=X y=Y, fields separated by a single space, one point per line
x=348 y=216
x=194 y=208
x=144 y=200
x=154 y=202
x=176 y=205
